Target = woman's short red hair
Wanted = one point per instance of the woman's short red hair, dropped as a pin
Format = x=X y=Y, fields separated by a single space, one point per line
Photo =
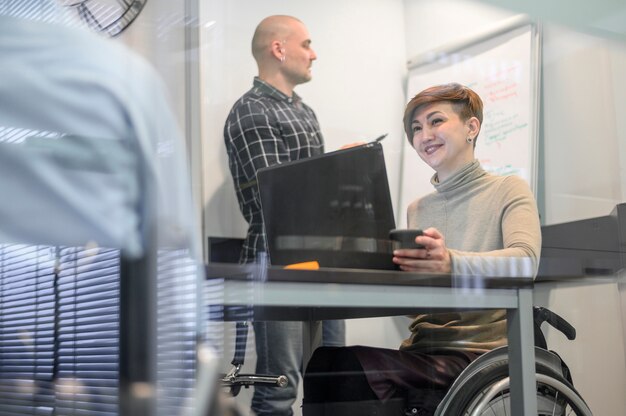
x=464 y=100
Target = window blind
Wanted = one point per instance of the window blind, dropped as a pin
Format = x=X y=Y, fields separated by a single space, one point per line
x=27 y=327
x=60 y=329
x=88 y=332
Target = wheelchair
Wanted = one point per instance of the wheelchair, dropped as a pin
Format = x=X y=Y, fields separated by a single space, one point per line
x=482 y=389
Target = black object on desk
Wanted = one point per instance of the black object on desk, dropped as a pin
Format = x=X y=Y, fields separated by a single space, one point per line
x=590 y=247
x=334 y=209
x=405 y=238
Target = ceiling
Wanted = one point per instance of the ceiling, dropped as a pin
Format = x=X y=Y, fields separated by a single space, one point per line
x=605 y=18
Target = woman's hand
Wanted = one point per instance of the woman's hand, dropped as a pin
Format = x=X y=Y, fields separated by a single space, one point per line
x=434 y=257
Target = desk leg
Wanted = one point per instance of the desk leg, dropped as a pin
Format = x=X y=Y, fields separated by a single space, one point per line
x=522 y=356
x=311 y=339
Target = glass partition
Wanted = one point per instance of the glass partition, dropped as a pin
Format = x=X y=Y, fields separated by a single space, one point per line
x=118 y=191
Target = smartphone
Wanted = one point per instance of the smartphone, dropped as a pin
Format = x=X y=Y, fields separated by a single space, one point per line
x=405 y=238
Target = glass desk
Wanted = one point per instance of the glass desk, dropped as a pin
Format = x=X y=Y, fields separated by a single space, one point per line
x=310 y=296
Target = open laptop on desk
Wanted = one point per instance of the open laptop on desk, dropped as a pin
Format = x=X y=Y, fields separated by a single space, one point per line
x=334 y=209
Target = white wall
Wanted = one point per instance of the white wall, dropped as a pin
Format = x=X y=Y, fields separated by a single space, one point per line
x=431 y=24
x=584 y=135
x=158 y=34
x=596 y=357
x=584 y=145
x=605 y=18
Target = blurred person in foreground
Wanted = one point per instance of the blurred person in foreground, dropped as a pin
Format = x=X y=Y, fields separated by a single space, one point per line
x=73 y=92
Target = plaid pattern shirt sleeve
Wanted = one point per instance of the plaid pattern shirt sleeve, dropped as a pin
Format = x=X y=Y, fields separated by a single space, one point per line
x=264 y=128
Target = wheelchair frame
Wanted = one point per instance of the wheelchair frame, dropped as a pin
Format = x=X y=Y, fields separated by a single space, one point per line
x=482 y=388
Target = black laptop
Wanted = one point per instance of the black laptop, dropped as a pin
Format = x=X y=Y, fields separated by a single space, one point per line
x=334 y=209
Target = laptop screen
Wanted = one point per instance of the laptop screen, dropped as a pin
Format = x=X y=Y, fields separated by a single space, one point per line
x=334 y=209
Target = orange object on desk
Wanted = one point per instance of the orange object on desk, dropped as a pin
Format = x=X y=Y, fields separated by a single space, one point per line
x=307 y=265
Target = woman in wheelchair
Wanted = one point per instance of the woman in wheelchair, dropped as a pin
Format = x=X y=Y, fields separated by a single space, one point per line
x=474 y=224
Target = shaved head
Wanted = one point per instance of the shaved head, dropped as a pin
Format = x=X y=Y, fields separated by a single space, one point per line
x=271 y=28
x=281 y=47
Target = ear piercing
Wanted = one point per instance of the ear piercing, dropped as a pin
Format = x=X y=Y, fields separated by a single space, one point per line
x=469 y=139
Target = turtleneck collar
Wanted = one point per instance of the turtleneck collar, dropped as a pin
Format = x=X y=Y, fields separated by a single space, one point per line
x=466 y=174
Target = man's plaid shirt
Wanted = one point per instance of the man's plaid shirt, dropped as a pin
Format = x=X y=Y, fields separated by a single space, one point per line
x=265 y=127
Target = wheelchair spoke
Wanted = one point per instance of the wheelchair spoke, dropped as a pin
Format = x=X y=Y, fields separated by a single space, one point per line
x=556 y=397
x=493 y=404
x=503 y=402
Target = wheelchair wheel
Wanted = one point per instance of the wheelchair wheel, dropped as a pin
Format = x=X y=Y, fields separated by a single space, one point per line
x=485 y=390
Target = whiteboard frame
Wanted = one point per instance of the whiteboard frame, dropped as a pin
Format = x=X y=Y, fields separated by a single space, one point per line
x=505 y=26
x=501 y=28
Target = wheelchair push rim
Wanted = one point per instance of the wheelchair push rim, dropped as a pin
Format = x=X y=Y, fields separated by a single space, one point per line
x=556 y=399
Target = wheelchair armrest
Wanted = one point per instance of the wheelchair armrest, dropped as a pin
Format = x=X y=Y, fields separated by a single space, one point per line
x=542 y=315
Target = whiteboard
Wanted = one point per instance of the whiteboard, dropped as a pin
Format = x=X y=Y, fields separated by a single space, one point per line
x=502 y=66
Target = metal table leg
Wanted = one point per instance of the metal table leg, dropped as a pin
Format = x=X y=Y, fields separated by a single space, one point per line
x=522 y=356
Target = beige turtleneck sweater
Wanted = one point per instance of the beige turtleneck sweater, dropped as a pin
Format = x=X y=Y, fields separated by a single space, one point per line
x=491 y=228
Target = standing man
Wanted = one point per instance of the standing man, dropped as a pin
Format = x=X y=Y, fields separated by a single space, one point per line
x=270 y=125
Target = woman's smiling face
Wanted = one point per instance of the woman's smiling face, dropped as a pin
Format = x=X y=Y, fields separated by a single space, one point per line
x=440 y=137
